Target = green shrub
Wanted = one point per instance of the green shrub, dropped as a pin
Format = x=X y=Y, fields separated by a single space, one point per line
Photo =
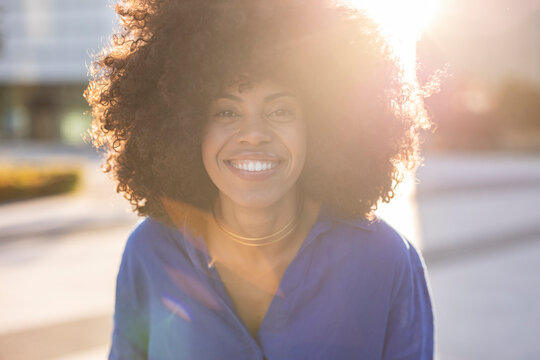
x=24 y=182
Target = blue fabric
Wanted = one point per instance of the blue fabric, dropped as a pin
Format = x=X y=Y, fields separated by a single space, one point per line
x=355 y=290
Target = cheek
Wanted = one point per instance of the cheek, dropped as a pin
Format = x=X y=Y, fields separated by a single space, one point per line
x=213 y=142
x=301 y=141
x=205 y=150
x=209 y=148
x=296 y=140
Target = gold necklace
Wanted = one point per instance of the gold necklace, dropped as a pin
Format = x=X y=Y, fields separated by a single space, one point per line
x=262 y=240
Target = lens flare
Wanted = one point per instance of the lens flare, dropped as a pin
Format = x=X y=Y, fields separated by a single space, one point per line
x=175 y=307
x=193 y=287
x=402 y=23
x=400 y=18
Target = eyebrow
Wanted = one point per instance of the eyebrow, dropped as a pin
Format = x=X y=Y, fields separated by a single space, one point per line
x=266 y=99
x=277 y=95
x=229 y=96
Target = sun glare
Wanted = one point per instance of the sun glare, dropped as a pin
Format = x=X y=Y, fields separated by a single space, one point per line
x=402 y=22
x=409 y=17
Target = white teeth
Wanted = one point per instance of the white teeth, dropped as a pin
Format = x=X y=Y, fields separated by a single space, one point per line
x=253 y=165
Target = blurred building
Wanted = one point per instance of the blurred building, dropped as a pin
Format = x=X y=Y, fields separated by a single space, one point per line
x=489 y=100
x=491 y=96
x=45 y=49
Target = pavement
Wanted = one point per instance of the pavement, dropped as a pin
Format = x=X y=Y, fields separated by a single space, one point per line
x=475 y=217
x=480 y=225
x=59 y=256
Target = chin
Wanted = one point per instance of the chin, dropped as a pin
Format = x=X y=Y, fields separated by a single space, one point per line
x=259 y=202
x=259 y=199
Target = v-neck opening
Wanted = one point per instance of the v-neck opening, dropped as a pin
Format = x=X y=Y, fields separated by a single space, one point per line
x=321 y=225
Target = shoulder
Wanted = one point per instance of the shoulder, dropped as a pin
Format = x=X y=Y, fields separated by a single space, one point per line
x=146 y=231
x=378 y=239
x=148 y=237
x=376 y=248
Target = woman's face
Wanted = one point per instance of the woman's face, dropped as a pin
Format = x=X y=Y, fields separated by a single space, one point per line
x=254 y=146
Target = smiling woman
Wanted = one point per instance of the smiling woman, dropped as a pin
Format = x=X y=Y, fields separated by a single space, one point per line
x=257 y=138
x=262 y=126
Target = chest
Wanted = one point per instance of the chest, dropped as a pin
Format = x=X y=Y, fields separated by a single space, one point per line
x=319 y=316
x=251 y=292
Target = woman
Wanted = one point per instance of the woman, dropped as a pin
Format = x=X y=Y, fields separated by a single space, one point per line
x=257 y=138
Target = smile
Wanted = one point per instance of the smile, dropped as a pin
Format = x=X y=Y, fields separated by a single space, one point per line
x=254 y=165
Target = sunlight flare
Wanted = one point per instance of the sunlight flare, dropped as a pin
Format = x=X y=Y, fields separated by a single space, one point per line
x=401 y=18
x=402 y=23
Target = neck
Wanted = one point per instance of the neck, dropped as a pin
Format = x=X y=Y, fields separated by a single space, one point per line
x=231 y=254
x=258 y=221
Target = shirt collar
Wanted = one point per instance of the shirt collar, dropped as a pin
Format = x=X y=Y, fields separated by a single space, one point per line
x=327 y=218
x=364 y=224
x=199 y=254
x=359 y=223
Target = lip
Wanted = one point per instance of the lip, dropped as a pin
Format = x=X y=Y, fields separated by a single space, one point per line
x=256 y=156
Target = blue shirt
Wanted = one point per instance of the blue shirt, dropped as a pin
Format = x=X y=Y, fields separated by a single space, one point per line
x=355 y=290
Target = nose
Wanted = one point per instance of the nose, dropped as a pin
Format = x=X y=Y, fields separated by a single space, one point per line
x=254 y=131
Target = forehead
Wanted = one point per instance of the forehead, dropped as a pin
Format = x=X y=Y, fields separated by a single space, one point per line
x=256 y=89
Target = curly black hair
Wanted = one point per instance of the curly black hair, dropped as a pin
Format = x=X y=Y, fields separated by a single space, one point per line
x=152 y=85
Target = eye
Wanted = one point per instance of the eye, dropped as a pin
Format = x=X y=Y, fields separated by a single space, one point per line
x=281 y=115
x=283 y=112
x=226 y=114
